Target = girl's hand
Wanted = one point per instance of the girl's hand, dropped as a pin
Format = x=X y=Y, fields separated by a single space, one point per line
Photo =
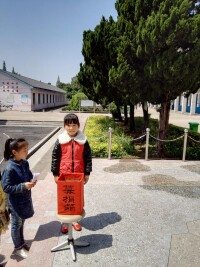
x=29 y=185
x=56 y=179
x=86 y=178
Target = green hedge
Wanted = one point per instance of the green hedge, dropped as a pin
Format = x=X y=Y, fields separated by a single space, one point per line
x=96 y=131
x=174 y=149
x=123 y=145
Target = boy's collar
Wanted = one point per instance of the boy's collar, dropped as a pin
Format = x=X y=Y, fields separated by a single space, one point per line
x=80 y=138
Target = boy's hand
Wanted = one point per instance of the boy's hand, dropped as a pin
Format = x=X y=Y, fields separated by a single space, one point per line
x=56 y=179
x=86 y=178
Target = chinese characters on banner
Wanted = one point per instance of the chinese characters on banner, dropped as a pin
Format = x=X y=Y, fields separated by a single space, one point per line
x=70 y=194
x=69 y=199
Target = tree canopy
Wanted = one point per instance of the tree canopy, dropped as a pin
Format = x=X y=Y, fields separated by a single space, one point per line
x=70 y=88
x=151 y=53
x=4 y=65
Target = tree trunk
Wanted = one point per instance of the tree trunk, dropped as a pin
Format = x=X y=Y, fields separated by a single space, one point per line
x=163 y=125
x=125 y=115
x=119 y=115
x=145 y=115
x=132 y=119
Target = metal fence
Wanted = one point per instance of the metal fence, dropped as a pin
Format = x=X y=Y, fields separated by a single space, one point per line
x=148 y=135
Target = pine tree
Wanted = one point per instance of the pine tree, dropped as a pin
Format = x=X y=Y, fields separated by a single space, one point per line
x=99 y=52
x=4 y=65
x=58 y=81
x=168 y=40
x=159 y=51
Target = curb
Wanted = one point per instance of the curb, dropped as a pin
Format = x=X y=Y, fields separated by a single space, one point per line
x=42 y=142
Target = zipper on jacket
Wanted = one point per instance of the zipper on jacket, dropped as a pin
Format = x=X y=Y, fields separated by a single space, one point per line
x=72 y=155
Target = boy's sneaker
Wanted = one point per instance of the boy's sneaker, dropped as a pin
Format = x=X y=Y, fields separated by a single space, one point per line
x=22 y=253
x=64 y=229
x=77 y=226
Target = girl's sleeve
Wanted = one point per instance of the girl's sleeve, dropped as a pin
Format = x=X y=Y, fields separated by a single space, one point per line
x=8 y=186
x=87 y=157
x=56 y=157
x=30 y=174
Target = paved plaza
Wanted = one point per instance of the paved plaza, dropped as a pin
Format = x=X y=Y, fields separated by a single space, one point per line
x=138 y=213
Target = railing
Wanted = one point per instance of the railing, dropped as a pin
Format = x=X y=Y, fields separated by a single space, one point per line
x=147 y=134
x=185 y=136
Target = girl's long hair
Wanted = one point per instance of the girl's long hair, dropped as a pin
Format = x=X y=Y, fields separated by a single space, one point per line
x=13 y=144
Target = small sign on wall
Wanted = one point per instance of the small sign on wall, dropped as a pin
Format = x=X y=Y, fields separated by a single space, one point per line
x=24 y=99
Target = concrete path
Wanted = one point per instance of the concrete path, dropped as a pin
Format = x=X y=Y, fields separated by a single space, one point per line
x=176 y=118
x=138 y=213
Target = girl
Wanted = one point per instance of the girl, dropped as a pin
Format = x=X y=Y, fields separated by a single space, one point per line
x=16 y=182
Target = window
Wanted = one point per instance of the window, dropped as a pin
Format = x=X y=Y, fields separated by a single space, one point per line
x=39 y=98
x=43 y=98
x=47 y=98
x=33 y=98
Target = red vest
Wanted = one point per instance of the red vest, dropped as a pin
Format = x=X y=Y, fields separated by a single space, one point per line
x=72 y=157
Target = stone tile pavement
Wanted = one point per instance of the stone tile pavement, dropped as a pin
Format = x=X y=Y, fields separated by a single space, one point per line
x=138 y=213
x=133 y=218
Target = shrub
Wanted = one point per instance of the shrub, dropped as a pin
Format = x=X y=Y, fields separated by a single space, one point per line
x=97 y=132
x=123 y=145
x=174 y=149
x=113 y=110
x=75 y=101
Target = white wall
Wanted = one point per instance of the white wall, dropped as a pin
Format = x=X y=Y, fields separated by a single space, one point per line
x=14 y=95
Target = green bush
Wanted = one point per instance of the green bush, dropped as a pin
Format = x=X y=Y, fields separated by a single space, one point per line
x=96 y=131
x=123 y=145
x=75 y=101
x=174 y=149
x=113 y=110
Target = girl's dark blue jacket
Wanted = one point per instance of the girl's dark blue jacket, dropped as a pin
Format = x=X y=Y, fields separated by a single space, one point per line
x=14 y=176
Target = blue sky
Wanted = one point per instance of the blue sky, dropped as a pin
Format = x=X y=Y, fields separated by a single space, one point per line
x=42 y=39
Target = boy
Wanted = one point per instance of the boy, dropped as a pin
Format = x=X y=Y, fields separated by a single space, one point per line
x=71 y=153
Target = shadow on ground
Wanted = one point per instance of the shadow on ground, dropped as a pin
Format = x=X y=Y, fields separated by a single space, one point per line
x=171 y=185
x=100 y=221
x=133 y=166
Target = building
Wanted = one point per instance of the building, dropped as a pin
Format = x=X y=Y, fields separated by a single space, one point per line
x=25 y=94
x=190 y=104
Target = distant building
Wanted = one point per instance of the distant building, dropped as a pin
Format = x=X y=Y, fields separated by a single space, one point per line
x=25 y=94
x=190 y=104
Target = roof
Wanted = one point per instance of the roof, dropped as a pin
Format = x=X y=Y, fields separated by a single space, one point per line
x=33 y=83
